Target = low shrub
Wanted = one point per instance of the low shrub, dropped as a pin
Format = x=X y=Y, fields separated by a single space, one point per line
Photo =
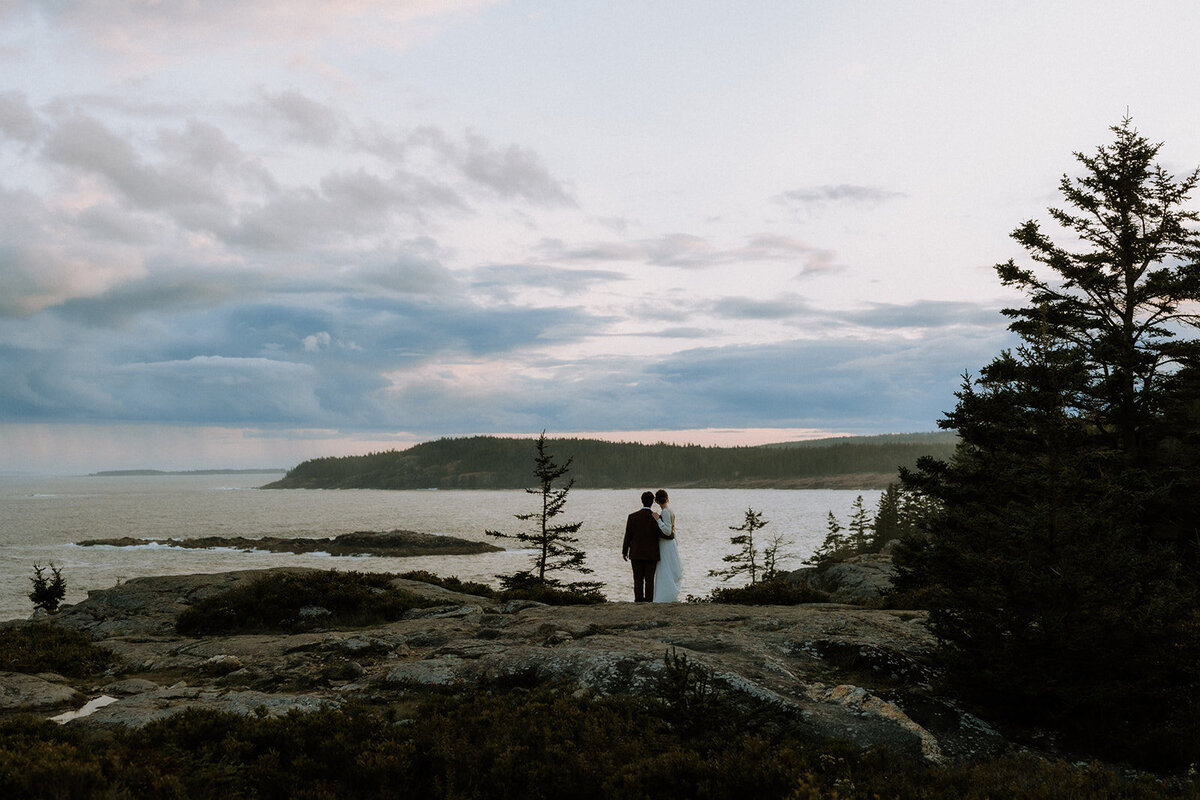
x=44 y=647
x=554 y=595
x=512 y=745
x=289 y=602
x=777 y=592
x=452 y=583
x=568 y=595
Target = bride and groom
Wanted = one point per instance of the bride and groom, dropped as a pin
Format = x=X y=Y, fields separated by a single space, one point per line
x=651 y=548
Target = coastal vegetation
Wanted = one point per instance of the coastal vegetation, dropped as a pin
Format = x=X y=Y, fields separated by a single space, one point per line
x=44 y=647
x=1061 y=567
x=48 y=590
x=288 y=602
x=488 y=462
x=900 y=514
x=747 y=558
x=550 y=595
x=555 y=545
x=688 y=731
x=686 y=737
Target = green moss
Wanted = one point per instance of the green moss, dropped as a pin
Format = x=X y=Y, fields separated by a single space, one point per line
x=43 y=647
x=289 y=602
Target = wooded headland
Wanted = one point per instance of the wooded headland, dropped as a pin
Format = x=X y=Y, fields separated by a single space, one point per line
x=489 y=462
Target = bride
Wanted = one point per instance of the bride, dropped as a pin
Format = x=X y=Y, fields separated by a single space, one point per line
x=669 y=575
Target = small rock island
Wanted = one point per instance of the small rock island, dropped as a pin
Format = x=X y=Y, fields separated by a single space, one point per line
x=395 y=544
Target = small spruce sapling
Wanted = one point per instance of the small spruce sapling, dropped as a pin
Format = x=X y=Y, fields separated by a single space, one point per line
x=48 y=592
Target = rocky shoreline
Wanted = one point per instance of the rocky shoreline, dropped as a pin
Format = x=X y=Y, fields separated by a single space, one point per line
x=395 y=544
x=841 y=671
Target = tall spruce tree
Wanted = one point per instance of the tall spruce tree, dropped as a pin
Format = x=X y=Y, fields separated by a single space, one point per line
x=1062 y=554
x=1121 y=299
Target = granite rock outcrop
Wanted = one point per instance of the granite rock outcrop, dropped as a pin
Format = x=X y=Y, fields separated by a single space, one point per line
x=853 y=673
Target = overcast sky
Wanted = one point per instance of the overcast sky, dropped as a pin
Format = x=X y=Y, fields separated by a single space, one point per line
x=243 y=234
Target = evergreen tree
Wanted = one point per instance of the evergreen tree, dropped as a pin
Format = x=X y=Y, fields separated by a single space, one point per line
x=835 y=547
x=48 y=592
x=774 y=554
x=1062 y=549
x=554 y=544
x=744 y=560
x=887 y=525
x=1120 y=301
x=859 y=527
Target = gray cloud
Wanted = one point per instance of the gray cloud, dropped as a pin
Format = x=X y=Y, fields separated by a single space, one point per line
x=407 y=273
x=301 y=118
x=515 y=280
x=884 y=316
x=509 y=171
x=867 y=385
x=160 y=293
x=693 y=252
x=784 y=307
x=683 y=333
x=204 y=146
x=344 y=204
x=146 y=35
x=841 y=193
x=199 y=348
x=85 y=143
x=926 y=314
x=17 y=119
x=153 y=187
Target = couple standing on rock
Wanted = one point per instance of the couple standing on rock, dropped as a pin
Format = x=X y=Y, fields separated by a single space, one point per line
x=650 y=546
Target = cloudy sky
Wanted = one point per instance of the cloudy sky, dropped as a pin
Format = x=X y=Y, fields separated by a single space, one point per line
x=243 y=234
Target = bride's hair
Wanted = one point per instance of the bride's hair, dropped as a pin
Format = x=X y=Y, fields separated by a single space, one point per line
x=660 y=496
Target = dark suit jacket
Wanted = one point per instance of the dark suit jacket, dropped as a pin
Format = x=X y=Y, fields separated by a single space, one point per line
x=641 y=536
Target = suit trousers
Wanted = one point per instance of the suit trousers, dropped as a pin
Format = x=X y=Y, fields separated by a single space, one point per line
x=643 y=580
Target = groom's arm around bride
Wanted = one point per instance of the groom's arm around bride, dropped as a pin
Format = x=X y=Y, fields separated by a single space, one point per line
x=640 y=547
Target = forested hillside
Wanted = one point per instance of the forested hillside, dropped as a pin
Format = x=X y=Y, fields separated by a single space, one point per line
x=486 y=462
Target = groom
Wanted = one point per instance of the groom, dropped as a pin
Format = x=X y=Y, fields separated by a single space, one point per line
x=641 y=547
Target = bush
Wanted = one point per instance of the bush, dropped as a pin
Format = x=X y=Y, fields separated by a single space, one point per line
x=42 y=647
x=289 y=602
x=47 y=593
x=777 y=592
x=555 y=596
x=568 y=595
x=514 y=745
x=452 y=583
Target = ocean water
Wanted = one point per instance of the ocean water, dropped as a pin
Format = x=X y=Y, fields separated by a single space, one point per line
x=41 y=519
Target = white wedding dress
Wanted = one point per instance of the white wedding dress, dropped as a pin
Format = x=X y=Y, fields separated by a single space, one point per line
x=668 y=578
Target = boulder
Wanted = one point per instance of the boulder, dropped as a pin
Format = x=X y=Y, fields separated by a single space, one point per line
x=21 y=692
x=859 y=579
x=140 y=709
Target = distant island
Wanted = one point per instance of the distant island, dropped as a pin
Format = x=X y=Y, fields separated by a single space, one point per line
x=490 y=462
x=396 y=544
x=134 y=473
